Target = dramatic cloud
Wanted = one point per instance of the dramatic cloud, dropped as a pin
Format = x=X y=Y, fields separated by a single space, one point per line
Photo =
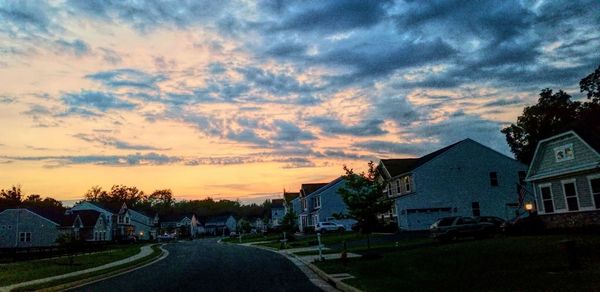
x=275 y=87
x=88 y=102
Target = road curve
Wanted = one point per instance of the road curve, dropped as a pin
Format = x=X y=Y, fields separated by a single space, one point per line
x=205 y=265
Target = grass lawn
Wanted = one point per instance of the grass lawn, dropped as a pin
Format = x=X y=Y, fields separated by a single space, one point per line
x=504 y=263
x=156 y=251
x=311 y=240
x=37 y=269
x=380 y=247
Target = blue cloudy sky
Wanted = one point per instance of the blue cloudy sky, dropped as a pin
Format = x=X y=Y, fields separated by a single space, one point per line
x=240 y=99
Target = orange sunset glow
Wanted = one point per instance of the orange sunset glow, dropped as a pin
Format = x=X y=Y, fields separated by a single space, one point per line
x=243 y=99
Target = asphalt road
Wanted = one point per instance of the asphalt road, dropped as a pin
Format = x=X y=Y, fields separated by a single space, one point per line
x=205 y=265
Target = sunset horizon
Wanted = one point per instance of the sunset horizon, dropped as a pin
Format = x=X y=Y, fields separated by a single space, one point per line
x=241 y=100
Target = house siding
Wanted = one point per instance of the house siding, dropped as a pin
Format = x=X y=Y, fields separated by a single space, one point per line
x=451 y=182
x=584 y=192
x=545 y=162
x=108 y=216
x=43 y=232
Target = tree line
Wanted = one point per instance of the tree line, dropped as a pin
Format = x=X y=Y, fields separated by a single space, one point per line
x=160 y=201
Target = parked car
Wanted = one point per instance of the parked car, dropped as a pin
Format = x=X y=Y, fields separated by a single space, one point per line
x=329 y=226
x=524 y=225
x=496 y=221
x=233 y=234
x=449 y=228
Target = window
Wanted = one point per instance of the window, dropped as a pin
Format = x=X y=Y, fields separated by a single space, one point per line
x=571 y=195
x=595 y=187
x=398 y=187
x=476 y=209
x=522 y=176
x=303 y=201
x=25 y=236
x=389 y=190
x=547 y=199
x=467 y=220
x=493 y=179
x=407 y=186
x=317 y=201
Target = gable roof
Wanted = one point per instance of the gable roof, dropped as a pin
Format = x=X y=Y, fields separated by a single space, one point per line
x=50 y=216
x=397 y=167
x=328 y=186
x=591 y=137
x=307 y=189
x=288 y=197
x=217 y=219
x=176 y=217
x=277 y=203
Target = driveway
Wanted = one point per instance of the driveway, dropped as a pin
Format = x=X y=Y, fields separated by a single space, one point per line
x=205 y=265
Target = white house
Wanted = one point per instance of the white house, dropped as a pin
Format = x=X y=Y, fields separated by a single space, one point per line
x=462 y=179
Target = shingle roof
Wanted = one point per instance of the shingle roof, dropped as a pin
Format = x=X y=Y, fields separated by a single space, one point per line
x=591 y=136
x=277 y=203
x=403 y=165
x=288 y=197
x=310 y=188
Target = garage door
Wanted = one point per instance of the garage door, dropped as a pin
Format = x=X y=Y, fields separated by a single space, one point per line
x=421 y=219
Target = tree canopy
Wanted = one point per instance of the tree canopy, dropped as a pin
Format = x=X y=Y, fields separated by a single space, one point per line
x=554 y=113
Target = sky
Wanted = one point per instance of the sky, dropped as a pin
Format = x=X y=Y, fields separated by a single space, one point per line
x=242 y=99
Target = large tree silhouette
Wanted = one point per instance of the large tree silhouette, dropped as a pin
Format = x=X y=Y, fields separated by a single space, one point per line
x=553 y=114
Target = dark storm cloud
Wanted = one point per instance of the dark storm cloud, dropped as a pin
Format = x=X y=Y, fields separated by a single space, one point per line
x=150 y=14
x=331 y=126
x=326 y=16
x=25 y=18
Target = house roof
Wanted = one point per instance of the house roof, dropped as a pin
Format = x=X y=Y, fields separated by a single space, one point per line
x=277 y=203
x=176 y=217
x=403 y=165
x=591 y=136
x=329 y=185
x=217 y=219
x=288 y=197
x=307 y=189
x=54 y=215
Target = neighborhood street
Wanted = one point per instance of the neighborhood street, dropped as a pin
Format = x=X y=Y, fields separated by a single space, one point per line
x=205 y=265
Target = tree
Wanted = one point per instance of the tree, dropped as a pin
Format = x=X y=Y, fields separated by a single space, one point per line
x=550 y=116
x=553 y=114
x=10 y=198
x=288 y=222
x=364 y=197
x=591 y=85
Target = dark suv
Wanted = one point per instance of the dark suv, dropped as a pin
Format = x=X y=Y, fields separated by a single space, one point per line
x=449 y=228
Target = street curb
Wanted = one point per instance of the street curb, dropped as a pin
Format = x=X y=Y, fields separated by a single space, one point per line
x=337 y=284
x=108 y=275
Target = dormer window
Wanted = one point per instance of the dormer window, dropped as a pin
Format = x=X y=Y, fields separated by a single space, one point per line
x=398 y=187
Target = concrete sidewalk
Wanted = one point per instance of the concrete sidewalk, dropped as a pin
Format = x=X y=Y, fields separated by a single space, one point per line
x=144 y=251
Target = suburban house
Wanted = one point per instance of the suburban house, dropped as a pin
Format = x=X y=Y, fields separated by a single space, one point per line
x=277 y=212
x=87 y=225
x=304 y=217
x=462 y=179
x=565 y=173
x=288 y=201
x=187 y=224
x=122 y=222
x=22 y=228
x=326 y=204
x=218 y=225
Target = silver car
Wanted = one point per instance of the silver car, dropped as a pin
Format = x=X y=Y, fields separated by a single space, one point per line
x=329 y=226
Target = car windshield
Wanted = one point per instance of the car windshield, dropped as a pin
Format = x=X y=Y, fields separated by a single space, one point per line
x=446 y=221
